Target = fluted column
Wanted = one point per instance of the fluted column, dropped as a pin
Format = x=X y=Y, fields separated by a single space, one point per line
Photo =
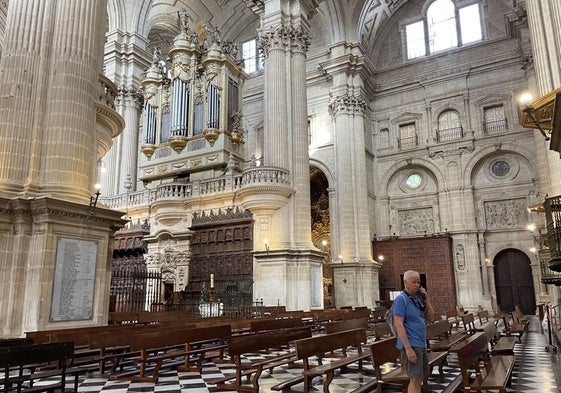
x=544 y=19
x=286 y=122
x=348 y=113
x=23 y=87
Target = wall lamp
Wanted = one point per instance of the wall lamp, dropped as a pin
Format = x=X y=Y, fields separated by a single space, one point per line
x=94 y=198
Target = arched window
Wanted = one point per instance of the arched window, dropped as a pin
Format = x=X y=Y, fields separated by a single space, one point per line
x=448 y=119
x=441 y=23
x=449 y=126
x=441 y=29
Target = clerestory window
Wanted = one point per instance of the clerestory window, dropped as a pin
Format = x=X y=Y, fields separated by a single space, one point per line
x=445 y=26
x=252 y=58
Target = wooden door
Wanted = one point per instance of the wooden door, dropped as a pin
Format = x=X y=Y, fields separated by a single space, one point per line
x=514 y=282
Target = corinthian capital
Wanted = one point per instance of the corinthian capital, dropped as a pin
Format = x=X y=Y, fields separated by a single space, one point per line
x=129 y=96
x=347 y=103
x=288 y=38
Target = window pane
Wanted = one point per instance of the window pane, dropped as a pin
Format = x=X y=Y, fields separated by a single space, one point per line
x=441 y=26
x=470 y=24
x=448 y=119
x=415 y=35
x=249 y=50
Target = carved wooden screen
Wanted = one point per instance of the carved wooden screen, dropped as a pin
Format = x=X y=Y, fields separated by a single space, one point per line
x=222 y=245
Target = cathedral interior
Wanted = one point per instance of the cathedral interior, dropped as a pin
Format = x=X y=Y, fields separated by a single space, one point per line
x=296 y=153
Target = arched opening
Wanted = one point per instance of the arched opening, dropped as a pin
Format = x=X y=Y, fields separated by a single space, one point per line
x=513 y=281
x=321 y=233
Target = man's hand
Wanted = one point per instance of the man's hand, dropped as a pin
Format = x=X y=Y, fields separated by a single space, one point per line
x=411 y=355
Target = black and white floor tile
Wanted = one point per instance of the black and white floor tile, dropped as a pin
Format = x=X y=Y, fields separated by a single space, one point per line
x=535 y=371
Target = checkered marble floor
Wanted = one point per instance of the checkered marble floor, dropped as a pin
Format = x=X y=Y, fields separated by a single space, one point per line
x=535 y=371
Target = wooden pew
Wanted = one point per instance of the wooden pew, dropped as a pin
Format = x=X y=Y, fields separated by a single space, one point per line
x=468 y=321
x=348 y=324
x=384 y=352
x=382 y=330
x=319 y=345
x=453 y=317
x=261 y=325
x=512 y=326
x=238 y=346
x=495 y=373
x=22 y=367
x=175 y=348
x=440 y=337
x=499 y=345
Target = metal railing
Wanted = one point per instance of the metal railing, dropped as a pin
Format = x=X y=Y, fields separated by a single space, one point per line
x=449 y=134
x=495 y=127
x=409 y=142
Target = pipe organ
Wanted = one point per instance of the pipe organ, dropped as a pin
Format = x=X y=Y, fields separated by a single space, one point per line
x=192 y=111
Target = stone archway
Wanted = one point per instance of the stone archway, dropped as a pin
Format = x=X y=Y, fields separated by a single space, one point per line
x=514 y=281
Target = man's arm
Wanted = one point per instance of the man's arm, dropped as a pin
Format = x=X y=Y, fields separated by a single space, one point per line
x=400 y=328
x=429 y=310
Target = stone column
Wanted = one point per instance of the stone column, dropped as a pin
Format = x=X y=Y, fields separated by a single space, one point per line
x=288 y=267
x=125 y=61
x=544 y=18
x=50 y=71
x=49 y=84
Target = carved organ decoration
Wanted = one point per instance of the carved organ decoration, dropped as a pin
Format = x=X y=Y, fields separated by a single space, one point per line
x=416 y=221
x=505 y=214
x=194 y=93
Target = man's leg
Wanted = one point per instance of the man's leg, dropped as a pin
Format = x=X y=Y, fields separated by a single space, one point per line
x=415 y=385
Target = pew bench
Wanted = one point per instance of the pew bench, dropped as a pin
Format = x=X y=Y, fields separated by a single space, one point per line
x=174 y=349
x=318 y=346
x=491 y=373
x=500 y=345
x=261 y=325
x=513 y=326
x=440 y=337
x=385 y=351
x=259 y=343
x=37 y=367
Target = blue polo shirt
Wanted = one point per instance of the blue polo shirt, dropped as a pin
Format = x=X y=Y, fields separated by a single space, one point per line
x=410 y=308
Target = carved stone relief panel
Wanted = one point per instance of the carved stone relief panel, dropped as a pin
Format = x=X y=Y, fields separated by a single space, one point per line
x=505 y=214
x=416 y=221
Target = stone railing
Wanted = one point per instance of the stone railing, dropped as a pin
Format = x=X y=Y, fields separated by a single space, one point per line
x=255 y=176
x=261 y=175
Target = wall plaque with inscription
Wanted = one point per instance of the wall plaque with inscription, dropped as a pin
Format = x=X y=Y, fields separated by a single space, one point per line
x=74 y=280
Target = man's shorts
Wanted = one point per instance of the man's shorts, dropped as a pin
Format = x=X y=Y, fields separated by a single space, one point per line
x=419 y=369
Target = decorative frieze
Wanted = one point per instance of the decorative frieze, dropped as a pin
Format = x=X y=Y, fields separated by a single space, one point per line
x=506 y=214
x=288 y=38
x=416 y=221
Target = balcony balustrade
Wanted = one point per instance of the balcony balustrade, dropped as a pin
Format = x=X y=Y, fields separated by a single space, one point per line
x=409 y=142
x=449 y=134
x=495 y=127
x=255 y=176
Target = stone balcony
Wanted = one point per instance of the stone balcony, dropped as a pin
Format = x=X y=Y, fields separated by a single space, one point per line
x=271 y=185
x=109 y=123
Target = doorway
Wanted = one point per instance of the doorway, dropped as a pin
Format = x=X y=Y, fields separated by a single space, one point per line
x=514 y=281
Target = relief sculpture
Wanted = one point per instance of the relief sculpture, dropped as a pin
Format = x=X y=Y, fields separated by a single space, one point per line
x=416 y=221
x=506 y=214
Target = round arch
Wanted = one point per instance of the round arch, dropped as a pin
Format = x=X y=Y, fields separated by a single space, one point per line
x=514 y=283
x=404 y=164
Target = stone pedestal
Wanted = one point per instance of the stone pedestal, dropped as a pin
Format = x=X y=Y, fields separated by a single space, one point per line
x=55 y=265
x=289 y=277
x=355 y=284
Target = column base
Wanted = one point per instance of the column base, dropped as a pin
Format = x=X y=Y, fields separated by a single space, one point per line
x=293 y=278
x=356 y=284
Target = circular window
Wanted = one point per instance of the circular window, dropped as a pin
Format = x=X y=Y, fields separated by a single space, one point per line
x=500 y=168
x=414 y=180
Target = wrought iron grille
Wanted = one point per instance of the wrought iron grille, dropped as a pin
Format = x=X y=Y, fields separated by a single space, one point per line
x=134 y=291
x=553 y=220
